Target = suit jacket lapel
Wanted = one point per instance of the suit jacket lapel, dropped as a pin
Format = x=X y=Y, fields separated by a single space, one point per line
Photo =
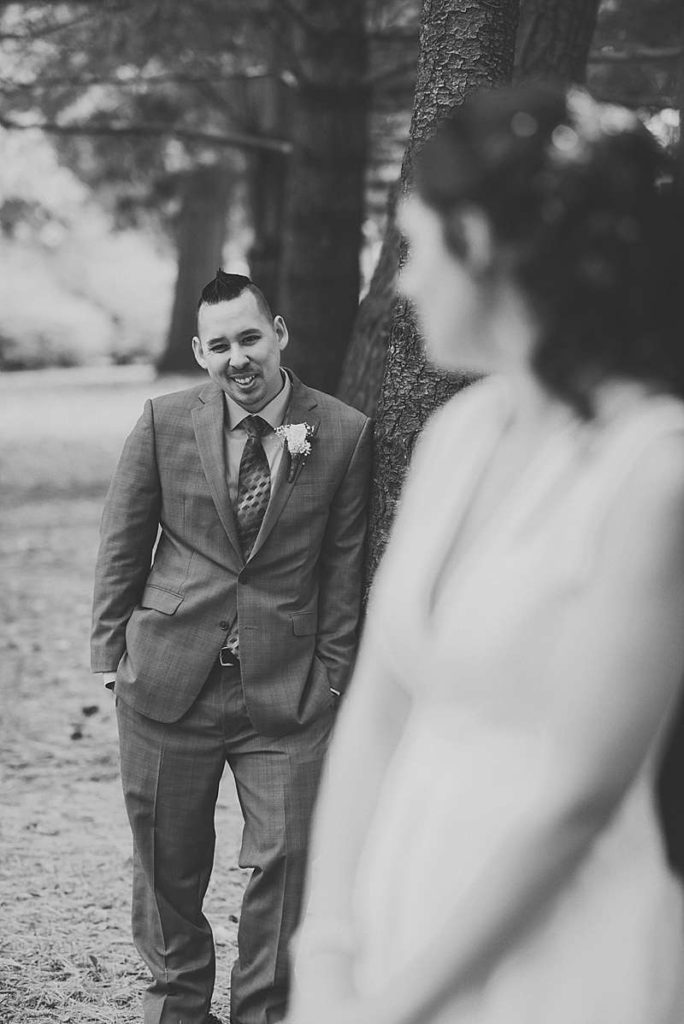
x=302 y=403
x=207 y=420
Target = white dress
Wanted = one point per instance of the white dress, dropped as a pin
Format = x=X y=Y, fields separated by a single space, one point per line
x=472 y=640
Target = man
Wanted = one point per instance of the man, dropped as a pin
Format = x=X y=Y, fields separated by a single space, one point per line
x=225 y=616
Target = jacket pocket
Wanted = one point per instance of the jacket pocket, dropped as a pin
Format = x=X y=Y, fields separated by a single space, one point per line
x=305 y=624
x=161 y=600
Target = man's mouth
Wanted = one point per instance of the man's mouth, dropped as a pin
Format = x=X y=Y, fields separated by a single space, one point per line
x=244 y=380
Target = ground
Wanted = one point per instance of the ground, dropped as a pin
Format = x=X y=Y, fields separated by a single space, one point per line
x=65 y=949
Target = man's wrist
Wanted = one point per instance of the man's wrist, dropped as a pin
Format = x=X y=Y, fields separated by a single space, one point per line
x=108 y=678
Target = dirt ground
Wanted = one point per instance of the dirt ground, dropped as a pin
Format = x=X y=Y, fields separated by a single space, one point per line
x=65 y=950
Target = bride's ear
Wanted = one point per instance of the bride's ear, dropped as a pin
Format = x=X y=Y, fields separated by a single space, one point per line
x=471 y=231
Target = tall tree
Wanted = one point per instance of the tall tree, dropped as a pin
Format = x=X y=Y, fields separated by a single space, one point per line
x=325 y=184
x=393 y=34
x=464 y=44
x=554 y=38
x=200 y=235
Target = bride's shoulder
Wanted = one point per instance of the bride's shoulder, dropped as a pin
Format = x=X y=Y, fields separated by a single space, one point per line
x=645 y=513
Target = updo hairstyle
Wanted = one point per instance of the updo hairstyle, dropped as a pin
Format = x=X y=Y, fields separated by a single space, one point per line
x=581 y=223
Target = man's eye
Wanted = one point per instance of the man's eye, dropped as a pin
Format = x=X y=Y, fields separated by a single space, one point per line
x=218 y=348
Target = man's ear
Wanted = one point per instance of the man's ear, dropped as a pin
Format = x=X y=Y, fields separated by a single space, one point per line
x=199 y=352
x=282 y=334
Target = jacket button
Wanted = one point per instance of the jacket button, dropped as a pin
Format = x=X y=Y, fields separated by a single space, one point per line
x=244 y=577
x=224 y=624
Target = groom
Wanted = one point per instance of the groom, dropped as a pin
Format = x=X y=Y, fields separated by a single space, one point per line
x=225 y=617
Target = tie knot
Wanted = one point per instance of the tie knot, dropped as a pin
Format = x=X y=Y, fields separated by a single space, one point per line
x=255 y=426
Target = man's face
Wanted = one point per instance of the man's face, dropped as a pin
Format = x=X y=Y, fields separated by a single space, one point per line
x=240 y=348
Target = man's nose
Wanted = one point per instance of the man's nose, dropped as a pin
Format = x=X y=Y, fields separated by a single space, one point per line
x=238 y=357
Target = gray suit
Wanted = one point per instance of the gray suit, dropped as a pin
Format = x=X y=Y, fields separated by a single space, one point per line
x=161 y=616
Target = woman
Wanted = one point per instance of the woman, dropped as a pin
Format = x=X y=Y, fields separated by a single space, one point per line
x=486 y=849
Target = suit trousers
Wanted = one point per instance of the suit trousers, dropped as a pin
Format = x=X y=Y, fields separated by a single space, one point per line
x=170 y=776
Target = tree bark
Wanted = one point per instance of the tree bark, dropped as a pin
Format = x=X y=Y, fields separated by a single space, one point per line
x=464 y=44
x=554 y=39
x=325 y=187
x=200 y=237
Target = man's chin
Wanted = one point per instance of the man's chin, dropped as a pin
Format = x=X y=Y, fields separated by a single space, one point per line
x=248 y=397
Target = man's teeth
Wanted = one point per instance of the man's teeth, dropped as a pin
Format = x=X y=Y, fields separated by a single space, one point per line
x=244 y=380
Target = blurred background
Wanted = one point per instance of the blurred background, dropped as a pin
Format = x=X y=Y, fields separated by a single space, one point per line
x=143 y=144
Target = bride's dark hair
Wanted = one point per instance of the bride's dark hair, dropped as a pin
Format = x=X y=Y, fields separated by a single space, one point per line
x=581 y=222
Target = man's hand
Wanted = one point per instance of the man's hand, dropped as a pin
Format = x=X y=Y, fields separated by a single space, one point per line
x=109 y=678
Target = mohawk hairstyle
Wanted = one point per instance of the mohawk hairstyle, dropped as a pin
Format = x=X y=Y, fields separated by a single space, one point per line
x=225 y=287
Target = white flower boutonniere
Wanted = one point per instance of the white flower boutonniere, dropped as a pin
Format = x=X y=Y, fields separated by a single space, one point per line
x=296 y=439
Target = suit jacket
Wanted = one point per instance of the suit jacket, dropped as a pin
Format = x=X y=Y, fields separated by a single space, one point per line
x=170 y=577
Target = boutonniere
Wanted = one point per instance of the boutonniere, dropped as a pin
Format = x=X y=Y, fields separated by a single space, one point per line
x=296 y=439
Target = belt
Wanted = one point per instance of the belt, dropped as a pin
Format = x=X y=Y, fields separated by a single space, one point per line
x=228 y=658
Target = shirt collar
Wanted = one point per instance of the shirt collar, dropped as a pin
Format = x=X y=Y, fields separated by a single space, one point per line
x=273 y=412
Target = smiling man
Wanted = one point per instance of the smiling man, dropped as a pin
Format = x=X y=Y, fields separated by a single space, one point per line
x=226 y=613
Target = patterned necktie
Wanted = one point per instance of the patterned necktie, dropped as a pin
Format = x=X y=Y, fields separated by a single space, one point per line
x=254 y=484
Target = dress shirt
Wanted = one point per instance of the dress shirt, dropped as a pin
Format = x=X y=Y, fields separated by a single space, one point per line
x=236 y=435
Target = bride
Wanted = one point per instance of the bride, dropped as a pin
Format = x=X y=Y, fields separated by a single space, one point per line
x=486 y=848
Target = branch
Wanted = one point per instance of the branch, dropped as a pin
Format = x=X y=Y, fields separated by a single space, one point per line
x=169 y=78
x=658 y=101
x=228 y=139
x=645 y=53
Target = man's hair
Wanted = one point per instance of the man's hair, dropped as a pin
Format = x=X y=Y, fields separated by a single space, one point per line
x=224 y=287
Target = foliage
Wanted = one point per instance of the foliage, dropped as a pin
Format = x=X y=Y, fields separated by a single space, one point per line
x=72 y=290
x=136 y=93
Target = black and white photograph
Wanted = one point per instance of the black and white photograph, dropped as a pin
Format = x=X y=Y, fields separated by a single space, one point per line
x=341 y=512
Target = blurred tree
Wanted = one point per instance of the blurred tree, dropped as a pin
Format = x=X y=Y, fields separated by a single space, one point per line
x=554 y=37
x=464 y=44
x=326 y=184
x=200 y=235
x=394 y=54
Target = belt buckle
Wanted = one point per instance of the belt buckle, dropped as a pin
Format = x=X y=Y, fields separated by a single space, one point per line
x=228 y=658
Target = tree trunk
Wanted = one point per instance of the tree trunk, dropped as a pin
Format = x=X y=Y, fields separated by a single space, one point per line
x=325 y=187
x=200 y=237
x=266 y=180
x=464 y=44
x=267 y=97
x=365 y=359
x=554 y=39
